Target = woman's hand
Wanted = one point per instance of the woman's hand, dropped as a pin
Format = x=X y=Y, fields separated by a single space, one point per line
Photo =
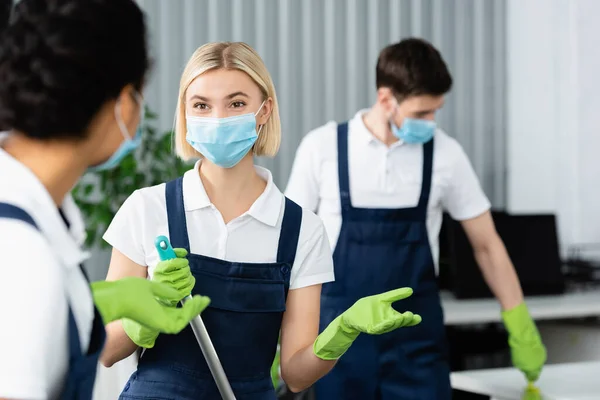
x=174 y=273
x=304 y=360
x=373 y=315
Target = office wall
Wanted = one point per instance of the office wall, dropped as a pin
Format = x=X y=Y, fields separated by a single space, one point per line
x=553 y=114
x=322 y=56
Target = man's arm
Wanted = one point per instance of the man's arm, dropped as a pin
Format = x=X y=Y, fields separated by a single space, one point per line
x=466 y=202
x=527 y=350
x=494 y=262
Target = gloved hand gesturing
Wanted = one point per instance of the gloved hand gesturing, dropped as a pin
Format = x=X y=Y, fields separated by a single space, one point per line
x=176 y=274
x=528 y=353
x=373 y=315
x=143 y=301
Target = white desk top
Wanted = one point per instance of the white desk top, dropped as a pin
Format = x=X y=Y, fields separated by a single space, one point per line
x=576 y=381
x=475 y=311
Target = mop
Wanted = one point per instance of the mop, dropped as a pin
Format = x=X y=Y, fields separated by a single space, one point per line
x=532 y=392
x=165 y=251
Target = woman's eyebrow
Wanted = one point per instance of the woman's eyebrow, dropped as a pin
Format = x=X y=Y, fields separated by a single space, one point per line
x=235 y=94
x=229 y=96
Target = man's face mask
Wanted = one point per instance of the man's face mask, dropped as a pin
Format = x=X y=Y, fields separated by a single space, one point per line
x=413 y=130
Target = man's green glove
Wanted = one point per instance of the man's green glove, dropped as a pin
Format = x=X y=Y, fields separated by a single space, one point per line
x=174 y=273
x=142 y=301
x=527 y=350
x=373 y=315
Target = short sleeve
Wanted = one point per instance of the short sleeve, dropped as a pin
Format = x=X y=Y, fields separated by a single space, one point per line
x=33 y=314
x=126 y=232
x=303 y=184
x=464 y=198
x=314 y=261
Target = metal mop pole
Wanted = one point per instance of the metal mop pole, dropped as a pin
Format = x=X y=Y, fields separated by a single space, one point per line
x=208 y=350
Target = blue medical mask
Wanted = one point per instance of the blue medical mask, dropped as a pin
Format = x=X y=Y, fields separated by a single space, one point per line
x=128 y=145
x=223 y=141
x=413 y=130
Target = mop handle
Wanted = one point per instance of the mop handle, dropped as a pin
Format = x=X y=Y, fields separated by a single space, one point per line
x=165 y=251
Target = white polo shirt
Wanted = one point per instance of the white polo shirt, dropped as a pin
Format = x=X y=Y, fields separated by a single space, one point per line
x=39 y=278
x=252 y=237
x=383 y=177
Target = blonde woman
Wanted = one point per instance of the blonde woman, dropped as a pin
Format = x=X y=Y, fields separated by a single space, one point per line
x=259 y=257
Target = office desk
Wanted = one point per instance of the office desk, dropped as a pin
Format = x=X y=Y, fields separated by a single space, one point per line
x=573 y=381
x=565 y=306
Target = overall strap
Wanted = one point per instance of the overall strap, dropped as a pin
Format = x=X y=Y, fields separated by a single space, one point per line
x=343 y=173
x=74 y=342
x=427 y=174
x=178 y=233
x=13 y=212
x=10 y=211
x=290 y=232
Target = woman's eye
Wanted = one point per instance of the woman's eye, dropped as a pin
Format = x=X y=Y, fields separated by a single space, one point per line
x=238 y=104
x=201 y=106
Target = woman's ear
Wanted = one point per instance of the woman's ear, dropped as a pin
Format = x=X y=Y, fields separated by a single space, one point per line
x=265 y=112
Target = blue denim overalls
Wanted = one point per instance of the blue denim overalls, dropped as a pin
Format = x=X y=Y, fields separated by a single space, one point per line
x=380 y=250
x=243 y=319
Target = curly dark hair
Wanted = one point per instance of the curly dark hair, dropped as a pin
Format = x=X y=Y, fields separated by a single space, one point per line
x=413 y=67
x=61 y=60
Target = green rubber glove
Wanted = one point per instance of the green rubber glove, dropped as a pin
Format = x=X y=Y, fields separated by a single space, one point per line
x=174 y=273
x=275 y=369
x=142 y=300
x=526 y=348
x=373 y=315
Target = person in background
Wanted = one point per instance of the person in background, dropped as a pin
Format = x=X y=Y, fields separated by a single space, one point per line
x=71 y=74
x=260 y=257
x=380 y=182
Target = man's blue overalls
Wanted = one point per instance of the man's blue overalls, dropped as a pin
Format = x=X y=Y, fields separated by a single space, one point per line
x=79 y=383
x=380 y=250
x=243 y=320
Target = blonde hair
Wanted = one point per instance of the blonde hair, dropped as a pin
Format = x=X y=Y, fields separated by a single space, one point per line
x=233 y=56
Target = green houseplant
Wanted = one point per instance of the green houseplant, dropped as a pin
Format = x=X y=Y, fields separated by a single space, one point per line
x=99 y=195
